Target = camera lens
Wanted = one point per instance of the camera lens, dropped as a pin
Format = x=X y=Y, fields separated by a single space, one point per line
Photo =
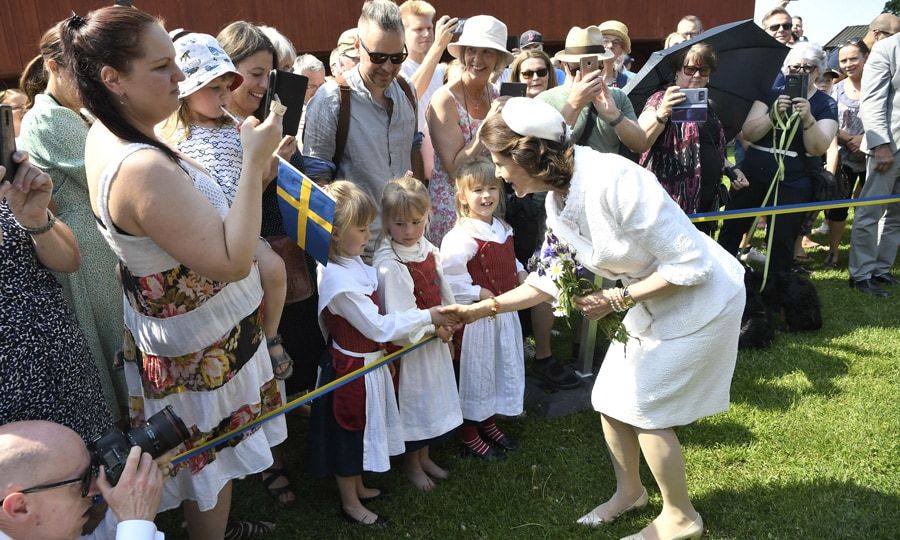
x=162 y=432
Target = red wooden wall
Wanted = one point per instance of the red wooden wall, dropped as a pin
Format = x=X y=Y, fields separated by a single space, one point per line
x=313 y=25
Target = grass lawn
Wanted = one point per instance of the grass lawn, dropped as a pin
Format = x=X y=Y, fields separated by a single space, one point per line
x=809 y=449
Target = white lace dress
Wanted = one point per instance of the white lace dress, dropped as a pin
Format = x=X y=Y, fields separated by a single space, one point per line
x=195 y=344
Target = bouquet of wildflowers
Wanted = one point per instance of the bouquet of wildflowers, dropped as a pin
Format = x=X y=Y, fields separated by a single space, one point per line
x=557 y=260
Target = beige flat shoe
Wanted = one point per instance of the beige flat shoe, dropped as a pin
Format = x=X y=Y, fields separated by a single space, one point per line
x=591 y=519
x=694 y=530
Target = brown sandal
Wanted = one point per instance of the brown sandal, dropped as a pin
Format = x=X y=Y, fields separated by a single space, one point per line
x=280 y=360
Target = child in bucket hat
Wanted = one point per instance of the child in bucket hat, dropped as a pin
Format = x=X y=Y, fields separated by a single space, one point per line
x=202 y=131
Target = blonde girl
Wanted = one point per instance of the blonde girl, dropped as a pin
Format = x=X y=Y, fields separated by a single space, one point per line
x=479 y=263
x=410 y=276
x=357 y=427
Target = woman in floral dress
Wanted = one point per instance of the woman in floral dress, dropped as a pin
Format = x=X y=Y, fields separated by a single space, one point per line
x=193 y=337
x=456 y=112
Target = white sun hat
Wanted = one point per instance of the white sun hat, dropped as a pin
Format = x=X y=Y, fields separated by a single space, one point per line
x=483 y=32
x=201 y=59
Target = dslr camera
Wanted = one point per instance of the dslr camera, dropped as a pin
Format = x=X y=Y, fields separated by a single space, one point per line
x=160 y=433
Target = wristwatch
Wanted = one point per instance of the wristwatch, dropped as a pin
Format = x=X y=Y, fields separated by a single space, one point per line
x=34 y=231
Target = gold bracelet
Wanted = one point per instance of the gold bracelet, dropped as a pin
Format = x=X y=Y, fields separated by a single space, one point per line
x=627 y=300
x=495 y=307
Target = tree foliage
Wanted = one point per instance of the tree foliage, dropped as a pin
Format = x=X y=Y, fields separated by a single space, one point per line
x=892 y=6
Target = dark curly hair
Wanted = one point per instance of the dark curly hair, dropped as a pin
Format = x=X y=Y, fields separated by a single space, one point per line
x=551 y=162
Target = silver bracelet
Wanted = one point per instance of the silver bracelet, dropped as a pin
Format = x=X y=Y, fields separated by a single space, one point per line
x=34 y=231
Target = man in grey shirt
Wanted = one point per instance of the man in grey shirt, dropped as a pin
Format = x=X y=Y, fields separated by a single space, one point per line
x=382 y=120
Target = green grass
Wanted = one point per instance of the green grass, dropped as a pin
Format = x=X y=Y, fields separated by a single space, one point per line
x=809 y=449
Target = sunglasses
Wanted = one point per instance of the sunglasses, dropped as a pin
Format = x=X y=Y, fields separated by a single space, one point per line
x=882 y=33
x=84 y=479
x=527 y=74
x=805 y=68
x=607 y=42
x=690 y=71
x=380 y=57
x=783 y=26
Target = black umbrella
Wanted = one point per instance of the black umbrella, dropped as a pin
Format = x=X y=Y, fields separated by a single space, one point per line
x=749 y=60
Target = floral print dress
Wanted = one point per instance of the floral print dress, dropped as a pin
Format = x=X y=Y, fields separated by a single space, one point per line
x=441 y=187
x=195 y=344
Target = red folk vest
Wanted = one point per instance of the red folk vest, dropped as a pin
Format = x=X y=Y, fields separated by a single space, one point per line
x=494 y=266
x=426 y=284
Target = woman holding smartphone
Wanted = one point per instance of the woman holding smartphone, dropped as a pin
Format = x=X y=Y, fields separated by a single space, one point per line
x=688 y=158
x=818 y=116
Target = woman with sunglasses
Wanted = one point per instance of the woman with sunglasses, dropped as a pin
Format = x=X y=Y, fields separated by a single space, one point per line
x=818 y=125
x=534 y=68
x=457 y=110
x=688 y=158
x=845 y=156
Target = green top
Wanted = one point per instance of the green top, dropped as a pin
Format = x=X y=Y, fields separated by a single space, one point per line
x=54 y=137
x=603 y=138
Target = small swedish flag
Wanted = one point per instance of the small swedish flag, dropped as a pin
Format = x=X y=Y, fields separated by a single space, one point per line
x=306 y=210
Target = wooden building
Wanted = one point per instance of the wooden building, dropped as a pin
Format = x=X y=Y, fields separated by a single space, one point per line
x=313 y=25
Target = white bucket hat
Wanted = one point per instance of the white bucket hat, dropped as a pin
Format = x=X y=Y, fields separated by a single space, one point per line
x=201 y=59
x=483 y=32
x=581 y=42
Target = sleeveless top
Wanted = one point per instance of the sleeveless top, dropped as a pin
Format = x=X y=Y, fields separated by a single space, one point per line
x=348 y=337
x=196 y=344
x=426 y=284
x=494 y=266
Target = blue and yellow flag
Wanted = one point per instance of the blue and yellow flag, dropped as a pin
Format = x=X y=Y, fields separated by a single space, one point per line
x=306 y=210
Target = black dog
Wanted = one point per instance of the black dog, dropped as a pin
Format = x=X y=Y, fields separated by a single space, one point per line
x=757 y=330
x=796 y=298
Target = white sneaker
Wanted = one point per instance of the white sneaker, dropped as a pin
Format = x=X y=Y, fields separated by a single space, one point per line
x=822 y=229
x=752 y=255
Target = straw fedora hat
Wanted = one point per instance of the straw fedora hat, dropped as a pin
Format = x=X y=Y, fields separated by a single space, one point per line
x=581 y=42
x=483 y=32
x=619 y=30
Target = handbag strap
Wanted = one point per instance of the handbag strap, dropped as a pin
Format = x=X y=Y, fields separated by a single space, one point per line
x=589 y=124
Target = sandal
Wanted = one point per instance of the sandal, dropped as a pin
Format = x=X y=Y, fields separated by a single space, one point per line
x=831 y=260
x=280 y=360
x=244 y=530
x=272 y=475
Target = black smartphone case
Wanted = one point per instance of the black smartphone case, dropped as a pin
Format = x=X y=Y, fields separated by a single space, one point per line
x=291 y=90
x=7 y=142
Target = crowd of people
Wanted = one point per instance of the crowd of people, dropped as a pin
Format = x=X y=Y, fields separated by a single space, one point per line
x=146 y=267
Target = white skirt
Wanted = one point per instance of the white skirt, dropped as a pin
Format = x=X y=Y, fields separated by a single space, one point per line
x=428 y=398
x=654 y=384
x=492 y=368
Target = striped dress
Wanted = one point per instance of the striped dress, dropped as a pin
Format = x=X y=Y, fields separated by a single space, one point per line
x=195 y=344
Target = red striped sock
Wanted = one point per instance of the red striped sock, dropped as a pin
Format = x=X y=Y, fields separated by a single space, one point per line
x=473 y=440
x=489 y=427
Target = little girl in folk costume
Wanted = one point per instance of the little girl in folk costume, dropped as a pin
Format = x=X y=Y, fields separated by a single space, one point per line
x=479 y=262
x=357 y=427
x=410 y=276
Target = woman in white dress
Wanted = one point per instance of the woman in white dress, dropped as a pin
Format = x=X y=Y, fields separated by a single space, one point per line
x=685 y=295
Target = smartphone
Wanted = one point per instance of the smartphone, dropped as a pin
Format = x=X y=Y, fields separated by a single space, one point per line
x=459 y=25
x=7 y=143
x=512 y=44
x=589 y=64
x=513 y=89
x=694 y=106
x=795 y=85
x=290 y=89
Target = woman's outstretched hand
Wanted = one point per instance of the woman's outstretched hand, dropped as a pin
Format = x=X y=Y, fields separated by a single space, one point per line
x=594 y=306
x=461 y=314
